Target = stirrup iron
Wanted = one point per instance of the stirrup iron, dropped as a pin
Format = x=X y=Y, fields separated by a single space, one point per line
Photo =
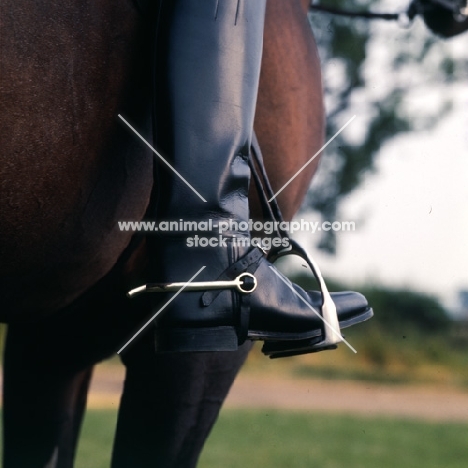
x=331 y=327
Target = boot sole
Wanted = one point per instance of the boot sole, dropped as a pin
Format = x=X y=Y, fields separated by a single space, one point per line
x=295 y=348
x=225 y=338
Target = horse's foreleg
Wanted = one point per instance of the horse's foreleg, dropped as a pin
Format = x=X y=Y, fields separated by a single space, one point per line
x=47 y=370
x=43 y=405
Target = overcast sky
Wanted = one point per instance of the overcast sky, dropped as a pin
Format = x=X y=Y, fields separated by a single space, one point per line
x=415 y=219
x=415 y=229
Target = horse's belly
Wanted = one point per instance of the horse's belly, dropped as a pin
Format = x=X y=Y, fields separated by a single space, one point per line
x=58 y=242
x=69 y=169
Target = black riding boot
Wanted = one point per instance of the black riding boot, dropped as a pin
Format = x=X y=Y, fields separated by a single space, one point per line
x=208 y=55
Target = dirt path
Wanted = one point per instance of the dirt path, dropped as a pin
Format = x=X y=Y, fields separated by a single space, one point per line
x=438 y=404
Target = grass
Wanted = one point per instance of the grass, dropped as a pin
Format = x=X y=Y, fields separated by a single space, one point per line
x=277 y=439
x=95 y=445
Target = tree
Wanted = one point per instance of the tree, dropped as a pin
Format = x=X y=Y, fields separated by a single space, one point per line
x=370 y=70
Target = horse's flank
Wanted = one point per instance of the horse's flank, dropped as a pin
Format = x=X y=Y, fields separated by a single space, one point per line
x=68 y=172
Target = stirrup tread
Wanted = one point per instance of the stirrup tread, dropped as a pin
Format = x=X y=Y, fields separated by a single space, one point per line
x=331 y=326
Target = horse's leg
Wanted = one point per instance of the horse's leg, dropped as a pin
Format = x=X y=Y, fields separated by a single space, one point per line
x=47 y=370
x=43 y=406
x=170 y=402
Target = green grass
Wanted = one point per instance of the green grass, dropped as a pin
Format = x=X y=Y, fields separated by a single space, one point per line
x=282 y=439
x=277 y=439
x=94 y=450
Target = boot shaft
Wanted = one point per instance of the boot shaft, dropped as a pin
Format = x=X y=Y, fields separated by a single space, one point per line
x=206 y=73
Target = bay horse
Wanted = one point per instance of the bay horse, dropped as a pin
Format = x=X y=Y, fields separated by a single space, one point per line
x=69 y=172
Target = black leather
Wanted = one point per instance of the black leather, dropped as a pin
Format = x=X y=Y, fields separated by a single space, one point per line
x=276 y=311
x=206 y=72
x=207 y=64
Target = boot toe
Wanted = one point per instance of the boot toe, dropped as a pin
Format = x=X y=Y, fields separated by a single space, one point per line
x=349 y=303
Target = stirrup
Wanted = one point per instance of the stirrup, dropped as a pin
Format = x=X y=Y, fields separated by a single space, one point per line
x=331 y=327
x=245 y=283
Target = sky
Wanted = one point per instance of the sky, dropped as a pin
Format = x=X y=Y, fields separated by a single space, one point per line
x=411 y=215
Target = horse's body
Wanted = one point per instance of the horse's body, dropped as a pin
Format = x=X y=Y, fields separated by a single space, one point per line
x=69 y=172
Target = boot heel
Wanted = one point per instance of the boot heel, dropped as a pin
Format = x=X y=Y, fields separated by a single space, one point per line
x=294 y=348
x=169 y=340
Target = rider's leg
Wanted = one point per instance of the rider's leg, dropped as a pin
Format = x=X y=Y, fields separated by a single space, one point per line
x=158 y=387
x=207 y=66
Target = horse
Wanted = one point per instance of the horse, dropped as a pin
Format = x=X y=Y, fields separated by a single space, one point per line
x=69 y=172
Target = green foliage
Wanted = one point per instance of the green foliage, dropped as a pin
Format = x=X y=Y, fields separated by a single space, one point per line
x=399 y=309
x=396 y=309
x=371 y=69
x=409 y=339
